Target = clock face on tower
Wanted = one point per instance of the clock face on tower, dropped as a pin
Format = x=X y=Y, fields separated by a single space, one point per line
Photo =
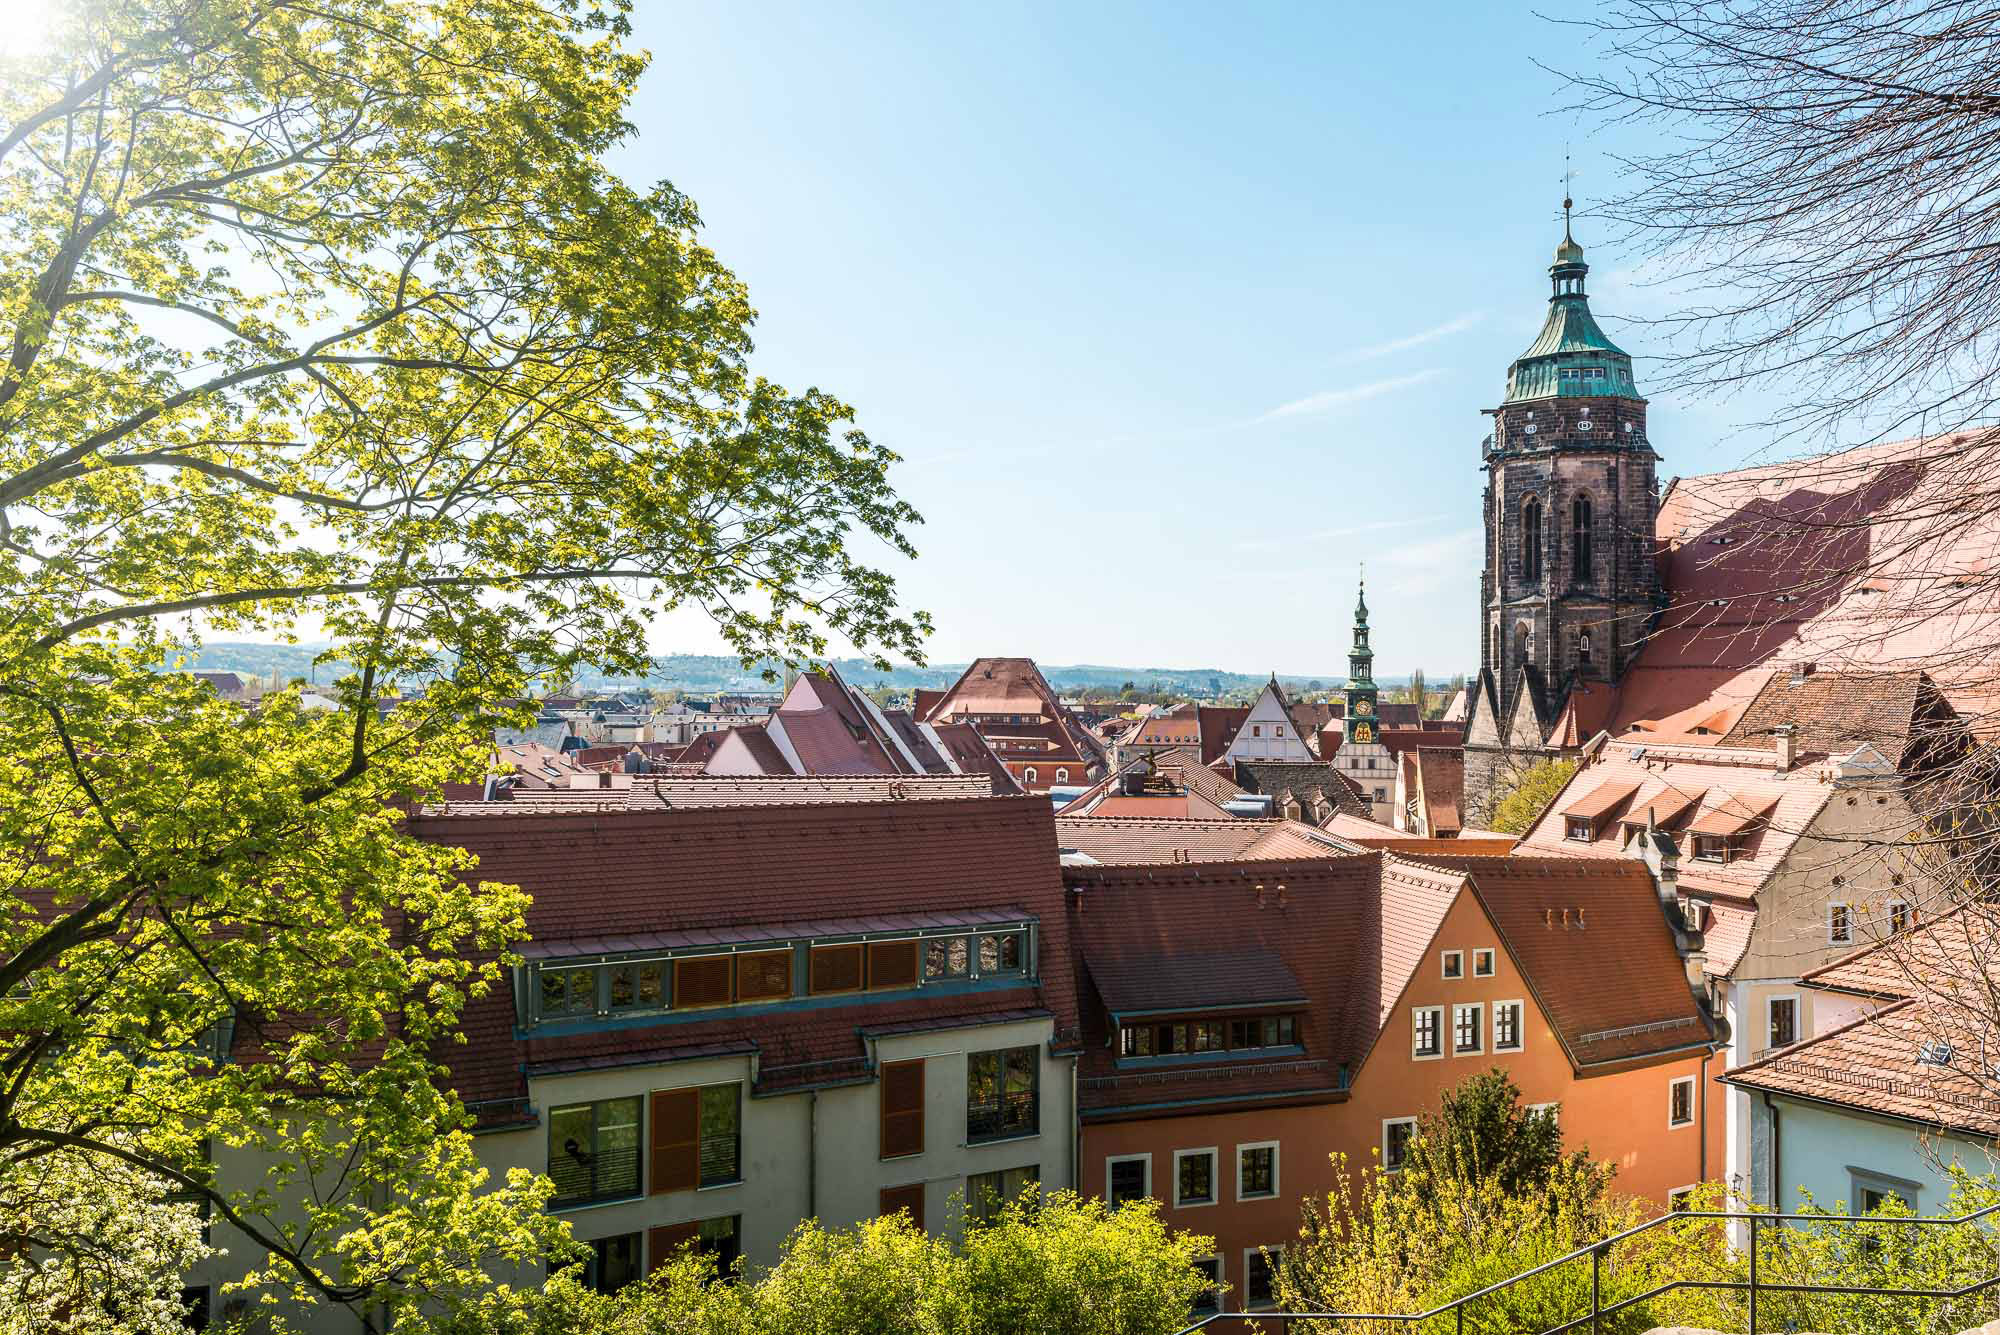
x=1364 y=706
x=1363 y=734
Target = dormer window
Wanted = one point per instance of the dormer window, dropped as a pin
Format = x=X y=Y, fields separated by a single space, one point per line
x=1715 y=847
x=1577 y=828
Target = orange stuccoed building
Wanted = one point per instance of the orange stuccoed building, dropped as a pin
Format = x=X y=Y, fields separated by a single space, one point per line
x=1246 y=1021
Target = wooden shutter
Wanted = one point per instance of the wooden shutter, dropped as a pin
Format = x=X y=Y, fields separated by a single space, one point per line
x=764 y=975
x=909 y=1198
x=676 y=1140
x=902 y=1108
x=836 y=968
x=892 y=964
x=703 y=981
x=663 y=1242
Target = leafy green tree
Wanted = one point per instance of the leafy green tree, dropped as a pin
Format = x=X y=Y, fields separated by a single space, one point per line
x=1481 y=1133
x=327 y=318
x=1535 y=789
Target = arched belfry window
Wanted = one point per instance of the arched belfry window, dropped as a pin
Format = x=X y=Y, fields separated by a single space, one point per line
x=1524 y=644
x=1531 y=539
x=1579 y=536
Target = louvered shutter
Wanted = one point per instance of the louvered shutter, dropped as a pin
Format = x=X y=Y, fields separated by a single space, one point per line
x=665 y=1241
x=703 y=981
x=909 y=1198
x=892 y=964
x=902 y=1108
x=836 y=968
x=676 y=1140
x=764 y=975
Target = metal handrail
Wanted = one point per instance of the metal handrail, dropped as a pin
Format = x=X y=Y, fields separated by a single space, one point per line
x=1597 y=1251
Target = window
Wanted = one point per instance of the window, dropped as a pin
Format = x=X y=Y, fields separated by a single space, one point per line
x=1482 y=964
x=1256 y=730
x=764 y=975
x=1381 y=794
x=1257 y=1171
x=1579 y=536
x=1269 y=1031
x=1209 y=1300
x=718 y=1239
x=696 y=1138
x=985 y=1193
x=1396 y=1133
x=1001 y=1088
x=1194 y=1177
x=1260 y=1267
x=1507 y=1026
x=1783 y=1027
x=836 y=969
x=569 y=991
x=640 y=986
x=1681 y=1198
x=1900 y=916
x=1583 y=648
x=1428 y=1038
x=613 y=1263
x=1454 y=964
x=1062 y=775
x=1531 y=539
x=902 y=1108
x=1002 y=952
x=1577 y=828
x=1128 y=1178
x=594 y=1151
x=947 y=957
x=909 y=1199
x=704 y=980
x=1553 y=1111
x=1680 y=1102
x=1468 y=1028
x=1712 y=848
x=1839 y=925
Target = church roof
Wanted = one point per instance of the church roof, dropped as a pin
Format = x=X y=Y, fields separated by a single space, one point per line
x=1570 y=340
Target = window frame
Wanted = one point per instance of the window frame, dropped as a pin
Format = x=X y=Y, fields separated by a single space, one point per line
x=1213 y=1305
x=1388 y=1122
x=597 y=1195
x=1489 y=956
x=1214 y=1187
x=1674 y=1086
x=1770 y=1007
x=1276 y=1256
x=1446 y=960
x=1839 y=923
x=1903 y=908
x=1111 y=1161
x=1520 y=1009
x=1277 y=1188
x=1478 y=1009
x=1034 y=1102
x=1553 y=1108
x=1417 y=1052
x=593 y=1275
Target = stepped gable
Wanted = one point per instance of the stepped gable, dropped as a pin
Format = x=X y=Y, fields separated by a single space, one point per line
x=756 y=869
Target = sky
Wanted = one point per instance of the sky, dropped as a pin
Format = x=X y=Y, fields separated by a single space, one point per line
x=1176 y=315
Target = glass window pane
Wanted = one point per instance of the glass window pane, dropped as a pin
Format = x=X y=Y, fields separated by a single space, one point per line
x=624 y=986
x=618 y=1148
x=652 y=985
x=570 y=1152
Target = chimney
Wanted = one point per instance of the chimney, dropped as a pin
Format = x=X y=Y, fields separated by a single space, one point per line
x=1787 y=735
x=1802 y=669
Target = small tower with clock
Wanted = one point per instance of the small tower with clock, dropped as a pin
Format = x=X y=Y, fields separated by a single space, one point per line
x=1363 y=720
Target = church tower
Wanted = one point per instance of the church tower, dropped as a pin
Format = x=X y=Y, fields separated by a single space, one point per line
x=1569 y=587
x=1361 y=721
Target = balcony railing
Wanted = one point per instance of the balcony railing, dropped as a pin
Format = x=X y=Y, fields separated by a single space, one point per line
x=1453 y=1312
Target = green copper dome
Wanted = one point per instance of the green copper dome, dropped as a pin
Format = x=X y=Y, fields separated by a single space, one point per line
x=1571 y=357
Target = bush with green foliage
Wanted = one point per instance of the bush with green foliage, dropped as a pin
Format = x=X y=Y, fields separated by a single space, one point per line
x=1058 y=1264
x=1535 y=789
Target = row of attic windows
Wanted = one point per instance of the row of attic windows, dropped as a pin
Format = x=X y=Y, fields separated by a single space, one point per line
x=1178 y=1037
x=779 y=971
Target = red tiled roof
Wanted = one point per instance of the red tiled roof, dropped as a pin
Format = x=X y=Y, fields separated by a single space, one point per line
x=1123 y=841
x=1399 y=740
x=1600 y=801
x=1135 y=983
x=1733 y=814
x=1872 y=1065
x=604 y=875
x=1595 y=946
x=1937 y=956
x=1441 y=779
x=1219 y=726
x=1662 y=804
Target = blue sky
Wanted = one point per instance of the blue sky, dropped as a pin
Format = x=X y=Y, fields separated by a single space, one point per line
x=1176 y=315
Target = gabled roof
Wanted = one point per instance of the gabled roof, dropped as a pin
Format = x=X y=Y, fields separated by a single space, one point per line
x=1836 y=712
x=1597 y=950
x=1310 y=782
x=1171 y=773
x=1876 y=1064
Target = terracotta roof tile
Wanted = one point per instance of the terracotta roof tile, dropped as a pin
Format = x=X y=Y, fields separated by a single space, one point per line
x=1122 y=841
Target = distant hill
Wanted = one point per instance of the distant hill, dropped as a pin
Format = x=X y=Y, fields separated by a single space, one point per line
x=700 y=674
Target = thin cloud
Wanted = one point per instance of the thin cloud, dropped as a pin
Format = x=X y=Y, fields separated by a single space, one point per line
x=1329 y=399
x=1328 y=534
x=1404 y=344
